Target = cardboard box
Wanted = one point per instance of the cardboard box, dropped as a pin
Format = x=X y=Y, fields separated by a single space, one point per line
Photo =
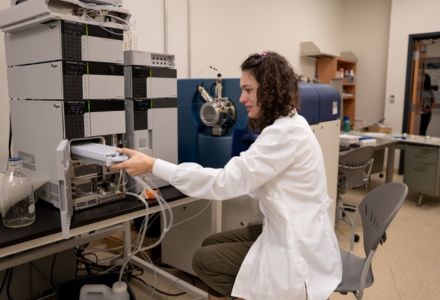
x=379 y=128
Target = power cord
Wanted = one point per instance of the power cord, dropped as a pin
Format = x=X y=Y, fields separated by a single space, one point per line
x=5 y=280
x=8 y=285
x=52 y=269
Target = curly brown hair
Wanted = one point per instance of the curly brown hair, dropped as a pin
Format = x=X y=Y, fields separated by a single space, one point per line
x=277 y=92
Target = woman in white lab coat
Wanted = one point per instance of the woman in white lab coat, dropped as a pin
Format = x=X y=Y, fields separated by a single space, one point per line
x=296 y=256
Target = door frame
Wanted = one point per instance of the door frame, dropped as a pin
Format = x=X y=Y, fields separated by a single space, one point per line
x=409 y=72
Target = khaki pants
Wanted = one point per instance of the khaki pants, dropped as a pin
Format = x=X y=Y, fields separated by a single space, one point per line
x=218 y=260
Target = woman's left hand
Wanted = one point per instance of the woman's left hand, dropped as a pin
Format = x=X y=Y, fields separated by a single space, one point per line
x=137 y=164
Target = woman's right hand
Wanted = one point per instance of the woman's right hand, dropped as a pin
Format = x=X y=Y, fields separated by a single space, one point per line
x=137 y=164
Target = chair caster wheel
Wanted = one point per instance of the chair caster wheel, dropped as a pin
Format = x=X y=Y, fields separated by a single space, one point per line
x=356 y=238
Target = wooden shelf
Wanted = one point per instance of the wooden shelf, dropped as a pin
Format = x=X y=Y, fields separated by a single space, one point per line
x=347 y=96
x=330 y=68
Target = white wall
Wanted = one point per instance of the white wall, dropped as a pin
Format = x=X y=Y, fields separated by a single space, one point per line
x=407 y=17
x=365 y=33
x=222 y=34
x=147 y=24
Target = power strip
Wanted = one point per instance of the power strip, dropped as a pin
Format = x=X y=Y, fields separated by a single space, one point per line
x=97 y=153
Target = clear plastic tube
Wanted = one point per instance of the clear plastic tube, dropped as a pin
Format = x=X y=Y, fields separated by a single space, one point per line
x=164 y=207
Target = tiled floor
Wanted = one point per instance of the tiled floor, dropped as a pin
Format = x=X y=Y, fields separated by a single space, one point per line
x=406 y=267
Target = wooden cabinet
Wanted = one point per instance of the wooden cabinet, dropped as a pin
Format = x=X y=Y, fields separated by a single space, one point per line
x=343 y=71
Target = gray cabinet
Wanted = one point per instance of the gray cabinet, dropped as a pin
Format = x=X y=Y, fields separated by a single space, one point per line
x=422 y=169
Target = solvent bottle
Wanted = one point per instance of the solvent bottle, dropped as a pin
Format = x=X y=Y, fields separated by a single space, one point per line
x=119 y=291
x=346 y=126
x=18 y=203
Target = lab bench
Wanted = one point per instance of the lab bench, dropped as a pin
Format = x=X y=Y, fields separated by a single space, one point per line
x=421 y=162
x=44 y=237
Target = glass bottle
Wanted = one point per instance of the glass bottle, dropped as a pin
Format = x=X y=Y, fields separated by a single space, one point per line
x=18 y=204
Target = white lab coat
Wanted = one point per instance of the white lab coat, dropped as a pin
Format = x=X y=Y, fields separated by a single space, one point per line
x=297 y=253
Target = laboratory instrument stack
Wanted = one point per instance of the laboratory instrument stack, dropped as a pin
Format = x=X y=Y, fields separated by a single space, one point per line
x=66 y=87
x=151 y=107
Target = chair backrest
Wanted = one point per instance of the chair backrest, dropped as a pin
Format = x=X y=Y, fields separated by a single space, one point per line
x=355 y=166
x=378 y=209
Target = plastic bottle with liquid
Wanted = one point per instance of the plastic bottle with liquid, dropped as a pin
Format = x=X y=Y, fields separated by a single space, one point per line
x=17 y=201
x=346 y=126
x=102 y=292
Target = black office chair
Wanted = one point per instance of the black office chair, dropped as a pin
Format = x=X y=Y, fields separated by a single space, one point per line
x=377 y=210
x=353 y=171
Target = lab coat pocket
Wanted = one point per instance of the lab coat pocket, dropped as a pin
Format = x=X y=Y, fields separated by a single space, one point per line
x=279 y=274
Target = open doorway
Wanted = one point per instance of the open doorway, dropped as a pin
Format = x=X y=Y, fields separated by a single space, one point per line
x=423 y=59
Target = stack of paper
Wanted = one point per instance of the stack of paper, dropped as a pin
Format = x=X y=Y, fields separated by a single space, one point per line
x=367 y=140
x=348 y=139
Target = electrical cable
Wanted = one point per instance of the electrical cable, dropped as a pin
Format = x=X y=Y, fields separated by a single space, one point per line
x=5 y=279
x=31 y=282
x=129 y=32
x=112 y=259
x=52 y=269
x=8 y=285
x=94 y=255
x=111 y=32
x=147 y=258
x=89 y=264
x=77 y=261
x=40 y=273
x=47 y=294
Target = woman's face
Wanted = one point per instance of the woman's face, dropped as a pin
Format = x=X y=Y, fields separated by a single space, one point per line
x=249 y=86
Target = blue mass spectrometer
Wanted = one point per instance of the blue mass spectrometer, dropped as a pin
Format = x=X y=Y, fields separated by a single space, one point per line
x=212 y=122
x=209 y=113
